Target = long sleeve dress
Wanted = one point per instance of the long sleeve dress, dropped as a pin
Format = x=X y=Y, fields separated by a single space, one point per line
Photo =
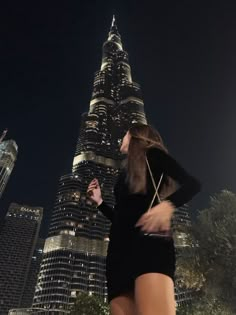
x=130 y=253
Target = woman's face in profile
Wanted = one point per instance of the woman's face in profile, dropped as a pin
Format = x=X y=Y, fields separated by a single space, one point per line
x=125 y=143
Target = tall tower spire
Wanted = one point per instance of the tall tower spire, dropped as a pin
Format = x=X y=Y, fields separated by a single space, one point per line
x=113 y=20
x=3 y=135
x=114 y=27
x=114 y=34
x=8 y=156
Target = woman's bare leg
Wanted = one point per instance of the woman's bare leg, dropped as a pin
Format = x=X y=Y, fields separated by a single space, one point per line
x=154 y=295
x=123 y=305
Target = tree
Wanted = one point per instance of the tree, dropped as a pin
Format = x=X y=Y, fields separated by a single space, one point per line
x=214 y=260
x=89 y=305
x=215 y=231
x=205 y=306
x=188 y=273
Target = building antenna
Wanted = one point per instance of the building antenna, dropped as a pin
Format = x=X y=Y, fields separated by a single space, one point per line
x=3 y=135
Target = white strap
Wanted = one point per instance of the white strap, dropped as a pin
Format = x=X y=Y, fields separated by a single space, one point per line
x=154 y=184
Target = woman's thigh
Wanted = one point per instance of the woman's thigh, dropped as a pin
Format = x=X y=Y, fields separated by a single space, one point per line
x=123 y=305
x=154 y=294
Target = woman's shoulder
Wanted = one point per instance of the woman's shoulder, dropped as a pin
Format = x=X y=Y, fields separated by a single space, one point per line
x=155 y=152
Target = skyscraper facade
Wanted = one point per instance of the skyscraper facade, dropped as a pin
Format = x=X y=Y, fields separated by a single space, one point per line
x=8 y=155
x=18 y=237
x=28 y=294
x=182 y=227
x=75 y=251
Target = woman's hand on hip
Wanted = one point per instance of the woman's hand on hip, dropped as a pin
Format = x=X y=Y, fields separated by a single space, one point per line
x=157 y=218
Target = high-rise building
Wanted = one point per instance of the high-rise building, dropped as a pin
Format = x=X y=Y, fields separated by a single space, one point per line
x=182 y=227
x=8 y=155
x=26 y=311
x=28 y=294
x=18 y=238
x=183 y=244
x=75 y=251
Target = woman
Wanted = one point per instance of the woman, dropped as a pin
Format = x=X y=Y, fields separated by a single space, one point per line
x=140 y=267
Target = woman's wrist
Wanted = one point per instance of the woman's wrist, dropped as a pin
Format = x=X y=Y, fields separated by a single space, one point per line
x=169 y=204
x=99 y=202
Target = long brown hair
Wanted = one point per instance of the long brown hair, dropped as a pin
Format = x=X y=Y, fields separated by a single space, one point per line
x=142 y=138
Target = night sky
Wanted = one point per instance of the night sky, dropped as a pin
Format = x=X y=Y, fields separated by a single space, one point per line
x=183 y=53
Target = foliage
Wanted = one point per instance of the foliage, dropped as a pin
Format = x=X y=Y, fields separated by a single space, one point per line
x=89 y=305
x=205 y=306
x=188 y=273
x=212 y=269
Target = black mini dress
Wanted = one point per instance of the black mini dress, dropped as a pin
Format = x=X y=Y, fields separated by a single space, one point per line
x=130 y=253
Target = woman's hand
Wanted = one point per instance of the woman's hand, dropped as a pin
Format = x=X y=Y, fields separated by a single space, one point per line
x=94 y=192
x=157 y=219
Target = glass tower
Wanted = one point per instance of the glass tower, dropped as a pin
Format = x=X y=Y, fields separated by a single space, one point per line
x=8 y=155
x=18 y=238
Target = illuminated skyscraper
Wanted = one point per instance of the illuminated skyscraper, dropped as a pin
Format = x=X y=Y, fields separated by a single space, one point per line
x=28 y=294
x=75 y=251
x=183 y=244
x=18 y=238
x=8 y=155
